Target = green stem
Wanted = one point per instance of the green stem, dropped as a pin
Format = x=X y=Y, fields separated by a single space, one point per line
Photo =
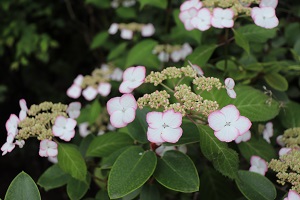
x=165 y=86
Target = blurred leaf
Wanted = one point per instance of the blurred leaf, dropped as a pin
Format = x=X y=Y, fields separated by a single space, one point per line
x=138 y=128
x=176 y=171
x=276 y=81
x=254 y=33
x=201 y=54
x=156 y=3
x=117 y=51
x=22 y=188
x=99 y=40
x=224 y=159
x=126 y=13
x=254 y=186
x=230 y=65
x=71 y=161
x=130 y=171
x=241 y=41
x=85 y=143
x=149 y=192
x=106 y=144
x=53 y=177
x=102 y=195
x=289 y=115
x=99 y=3
x=76 y=189
x=90 y=113
x=292 y=33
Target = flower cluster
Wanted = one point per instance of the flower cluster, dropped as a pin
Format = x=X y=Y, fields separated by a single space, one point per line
x=43 y=121
x=127 y=30
x=175 y=52
x=201 y=15
x=125 y=3
x=97 y=83
x=289 y=140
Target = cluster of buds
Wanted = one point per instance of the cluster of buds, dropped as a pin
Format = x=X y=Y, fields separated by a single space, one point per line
x=127 y=30
x=125 y=3
x=43 y=121
x=96 y=83
x=175 y=52
x=203 y=14
x=290 y=140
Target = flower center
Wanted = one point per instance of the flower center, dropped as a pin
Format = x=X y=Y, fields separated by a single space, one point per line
x=123 y=110
x=227 y=123
x=165 y=125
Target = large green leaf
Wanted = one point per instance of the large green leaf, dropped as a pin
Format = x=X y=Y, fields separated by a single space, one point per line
x=130 y=171
x=71 y=161
x=76 y=189
x=257 y=147
x=176 y=171
x=107 y=162
x=201 y=54
x=149 y=192
x=22 y=188
x=117 y=51
x=106 y=144
x=254 y=186
x=255 y=33
x=99 y=40
x=289 y=115
x=141 y=54
x=241 y=41
x=138 y=128
x=224 y=159
x=53 y=177
x=277 y=81
x=156 y=3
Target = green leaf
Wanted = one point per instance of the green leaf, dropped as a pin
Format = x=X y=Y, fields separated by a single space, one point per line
x=224 y=159
x=176 y=171
x=99 y=4
x=289 y=115
x=76 y=189
x=22 y=188
x=90 y=113
x=106 y=144
x=277 y=81
x=254 y=33
x=99 y=40
x=117 y=51
x=130 y=171
x=141 y=54
x=107 y=162
x=53 y=177
x=126 y=13
x=149 y=192
x=201 y=54
x=133 y=194
x=257 y=147
x=85 y=143
x=156 y=3
x=255 y=186
x=138 y=128
x=71 y=161
x=241 y=41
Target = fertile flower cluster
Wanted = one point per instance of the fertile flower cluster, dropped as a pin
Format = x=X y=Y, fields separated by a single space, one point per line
x=201 y=15
x=125 y=3
x=175 y=52
x=289 y=140
x=43 y=121
x=127 y=30
x=207 y=83
x=155 y=100
x=288 y=169
x=97 y=83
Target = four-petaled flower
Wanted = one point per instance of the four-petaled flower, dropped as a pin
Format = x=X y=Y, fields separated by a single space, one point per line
x=133 y=77
x=222 y=18
x=89 y=93
x=24 y=109
x=73 y=109
x=64 y=128
x=187 y=16
x=190 y=4
x=12 y=125
x=264 y=17
x=292 y=195
x=258 y=165
x=104 y=89
x=228 y=124
x=229 y=85
x=202 y=21
x=48 y=148
x=147 y=30
x=122 y=110
x=164 y=127
x=75 y=90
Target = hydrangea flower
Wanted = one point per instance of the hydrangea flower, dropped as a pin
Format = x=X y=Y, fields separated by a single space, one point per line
x=190 y=4
x=24 y=109
x=133 y=77
x=268 y=132
x=229 y=85
x=163 y=56
x=187 y=16
x=243 y=138
x=222 y=18
x=258 y=165
x=48 y=148
x=147 y=30
x=268 y=3
x=73 y=110
x=84 y=129
x=75 y=90
x=12 y=125
x=264 y=17
x=164 y=127
x=126 y=34
x=228 y=124
x=122 y=110
x=113 y=29
x=8 y=146
x=202 y=21
x=292 y=195
x=176 y=55
x=64 y=128
x=89 y=93
x=116 y=75
x=104 y=89
x=186 y=50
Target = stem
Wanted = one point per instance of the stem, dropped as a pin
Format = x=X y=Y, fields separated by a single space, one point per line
x=165 y=86
x=180 y=81
x=226 y=50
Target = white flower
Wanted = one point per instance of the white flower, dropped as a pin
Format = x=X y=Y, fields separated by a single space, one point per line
x=258 y=165
x=268 y=3
x=268 y=132
x=229 y=85
x=186 y=50
x=202 y=21
x=176 y=55
x=147 y=30
x=128 y=3
x=292 y=195
x=75 y=90
x=163 y=56
x=89 y=93
x=133 y=77
x=113 y=29
x=122 y=110
x=264 y=17
x=12 y=125
x=187 y=16
x=126 y=34
x=8 y=146
x=243 y=138
x=191 y=4
x=53 y=159
x=20 y=143
x=48 y=148
x=222 y=18
x=228 y=124
x=104 y=89
x=24 y=109
x=64 y=128
x=73 y=110
x=84 y=129
x=116 y=74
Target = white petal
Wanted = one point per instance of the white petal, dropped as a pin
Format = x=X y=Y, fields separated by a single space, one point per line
x=113 y=28
x=116 y=119
x=268 y=3
x=74 y=91
x=125 y=87
x=230 y=112
x=293 y=195
x=126 y=34
x=229 y=83
x=60 y=121
x=216 y=22
x=117 y=75
x=228 y=13
x=231 y=93
x=154 y=135
x=67 y=135
x=22 y=115
x=154 y=119
x=128 y=101
x=128 y=74
x=43 y=153
x=89 y=93
x=172 y=119
x=148 y=30
x=23 y=105
x=104 y=89
x=83 y=129
x=176 y=56
x=284 y=151
x=114 y=105
x=216 y=120
x=53 y=159
x=280 y=141
x=163 y=56
x=243 y=124
x=272 y=22
x=71 y=123
x=139 y=73
x=52 y=152
x=256 y=11
x=78 y=80
x=57 y=131
x=129 y=115
x=171 y=135
x=227 y=134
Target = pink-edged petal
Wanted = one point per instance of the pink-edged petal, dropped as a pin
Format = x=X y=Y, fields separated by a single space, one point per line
x=23 y=105
x=171 y=135
x=20 y=143
x=71 y=123
x=125 y=87
x=230 y=112
x=139 y=73
x=74 y=91
x=116 y=119
x=243 y=124
x=128 y=101
x=227 y=23
x=52 y=152
x=183 y=16
x=284 y=151
x=22 y=115
x=129 y=115
x=188 y=25
x=172 y=119
x=216 y=120
x=154 y=119
x=229 y=83
x=78 y=80
x=272 y=22
x=243 y=138
x=114 y=105
x=154 y=135
x=293 y=195
x=68 y=135
x=227 y=134
x=104 y=89
x=228 y=13
x=216 y=22
x=43 y=144
x=162 y=149
x=190 y=4
x=268 y=3
x=255 y=11
x=198 y=70
x=43 y=153
x=128 y=73
x=257 y=170
x=60 y=121
x=83 y=129
x=89 y=93
x=231 y=94
x=280 y=141
x=57 y=131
